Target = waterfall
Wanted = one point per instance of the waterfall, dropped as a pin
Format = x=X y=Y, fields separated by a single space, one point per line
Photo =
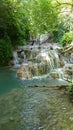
x=43 y=63
x=24 y=60
x=15 y=59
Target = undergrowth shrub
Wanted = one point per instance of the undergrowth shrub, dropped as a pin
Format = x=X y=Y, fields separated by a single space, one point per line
x=67 y=38
x=70 y=88
x=5 y=51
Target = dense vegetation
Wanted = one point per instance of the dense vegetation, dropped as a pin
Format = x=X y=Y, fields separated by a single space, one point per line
x=22 y=19
x=5 y=51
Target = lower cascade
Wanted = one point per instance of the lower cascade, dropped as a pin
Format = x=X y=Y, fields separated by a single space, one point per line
x=41 y=61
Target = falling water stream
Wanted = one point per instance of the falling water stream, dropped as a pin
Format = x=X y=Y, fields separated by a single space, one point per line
x=34 y=104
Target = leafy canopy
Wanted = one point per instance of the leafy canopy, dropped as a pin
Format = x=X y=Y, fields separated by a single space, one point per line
x=13 y=20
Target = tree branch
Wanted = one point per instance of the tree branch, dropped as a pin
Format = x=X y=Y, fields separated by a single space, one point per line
x=64 y=3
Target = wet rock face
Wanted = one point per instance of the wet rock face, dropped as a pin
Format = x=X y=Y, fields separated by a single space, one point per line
x=43 y=63
x=22 y=54
x=19 y=74
x=31 y=70
x=41 y=59
x=11 y=62
x=43 y=38
x=50 y=57
x=68 y=71
x=69 y=67
x=54 y=75
x=71 y=58
x=62 y=62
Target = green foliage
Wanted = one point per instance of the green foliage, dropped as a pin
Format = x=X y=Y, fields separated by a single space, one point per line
x=13 y=20
x=5 y=51
x=67 y=38
x=70 y=88
x=43 y=16
x=59 y=32
x=21 y=42
x=71 y=127
x=20 y=19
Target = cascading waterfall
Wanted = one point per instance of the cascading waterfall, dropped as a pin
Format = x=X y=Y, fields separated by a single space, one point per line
x=15 y=56
x=24 y=59
x=44 y=62
x=15 y=59
x=54 y=59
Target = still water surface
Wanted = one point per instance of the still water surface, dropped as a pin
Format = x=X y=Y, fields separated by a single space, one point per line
x=33 y=104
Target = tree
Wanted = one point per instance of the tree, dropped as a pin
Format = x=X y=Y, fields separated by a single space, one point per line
x=5 y=51
x=13 y=21
x=43 y=16
x=13 y=28
x=66 y=13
